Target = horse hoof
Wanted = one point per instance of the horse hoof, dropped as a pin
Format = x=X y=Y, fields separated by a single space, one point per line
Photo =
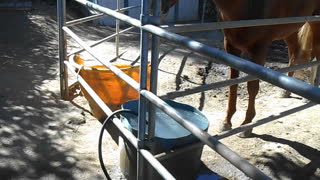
x=305 y=100
x=245 y=134
x=284 y=94
x=225 y=127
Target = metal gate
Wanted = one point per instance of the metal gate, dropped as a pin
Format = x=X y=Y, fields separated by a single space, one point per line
x=150 y=25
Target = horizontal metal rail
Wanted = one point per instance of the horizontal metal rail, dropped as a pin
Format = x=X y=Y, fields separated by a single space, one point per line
x=156 y=165
x=181 y=93
x=225 y=134
x=233 y=61
x=206 y=138
x=288 y=83
x=159 y=168
x=113 y=68
x=95 y=16
x=90 y=91
x=127 y=134
x=101 y=41
x=238 y=24
x=85 y=19
x=220 y=148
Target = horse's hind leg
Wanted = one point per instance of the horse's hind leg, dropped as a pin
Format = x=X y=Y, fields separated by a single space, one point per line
x=316 y=51
x=316 y=73
x=314 y=77
x=299 y=53
x=296 y=56
x=232 y=101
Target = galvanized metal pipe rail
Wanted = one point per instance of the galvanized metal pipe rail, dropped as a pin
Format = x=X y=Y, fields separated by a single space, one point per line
x=224 y=151
x=127 y=134
x=142 y=109
x=273 y=77
x=206 y=138
x=238 y=24
x=291 y=84
x=61 y=16
x=101 y=41
x=206 y=50
x=211 y=52
x=85 y=19
x=225 y=134
x=113 y=68
x=95 y=16
x=154 y=73
x=117 y=30
x=230 y=82
x=119 y=73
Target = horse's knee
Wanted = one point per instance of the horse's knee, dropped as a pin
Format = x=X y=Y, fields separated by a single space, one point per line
x=253 y=88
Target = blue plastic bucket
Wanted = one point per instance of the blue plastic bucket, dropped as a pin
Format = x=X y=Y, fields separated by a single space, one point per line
x=168 y=133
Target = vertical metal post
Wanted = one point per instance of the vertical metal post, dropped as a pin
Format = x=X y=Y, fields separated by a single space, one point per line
x=317 y=80
x=126 y=4
x=143 y=85
x=153 y=84
x=61 y=12
x=176 y=12
x=117 y=29
x=154 y=71
x=204 y=6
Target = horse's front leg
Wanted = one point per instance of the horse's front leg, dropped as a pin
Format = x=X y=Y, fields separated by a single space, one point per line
x=253 y=89
x=258 y=56
x=294 y=54
x=232 y=101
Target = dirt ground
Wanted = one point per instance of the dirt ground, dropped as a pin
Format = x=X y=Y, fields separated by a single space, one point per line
x=43 y=137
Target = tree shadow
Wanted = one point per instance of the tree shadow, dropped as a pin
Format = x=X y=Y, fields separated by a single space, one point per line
x=204 y=74
x=31 y=116
x=283 y=166
x=179 y=76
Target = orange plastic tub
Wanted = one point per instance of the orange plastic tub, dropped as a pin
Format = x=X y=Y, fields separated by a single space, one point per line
x=109 y=87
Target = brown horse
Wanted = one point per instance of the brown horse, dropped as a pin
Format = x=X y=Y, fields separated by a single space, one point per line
x=302 y=41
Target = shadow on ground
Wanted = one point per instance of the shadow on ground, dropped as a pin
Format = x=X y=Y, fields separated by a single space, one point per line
x=31 y=116
x=283 y=166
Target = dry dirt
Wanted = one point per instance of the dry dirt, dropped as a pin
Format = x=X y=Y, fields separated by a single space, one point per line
x=43 y=137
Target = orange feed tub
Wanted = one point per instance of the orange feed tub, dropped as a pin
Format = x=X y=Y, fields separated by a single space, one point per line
x=108 y=86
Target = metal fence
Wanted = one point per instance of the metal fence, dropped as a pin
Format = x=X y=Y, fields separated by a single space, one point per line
x=149 y=25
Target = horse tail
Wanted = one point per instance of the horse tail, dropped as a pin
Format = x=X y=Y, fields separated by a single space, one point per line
x=310 y=46
x=305 y=39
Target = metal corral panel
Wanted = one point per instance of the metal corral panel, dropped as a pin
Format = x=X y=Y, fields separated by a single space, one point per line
x=186 y=10
x=112 y=4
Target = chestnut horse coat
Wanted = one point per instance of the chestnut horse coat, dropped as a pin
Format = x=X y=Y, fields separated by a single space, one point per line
x=255 y=40
x=302 y=39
